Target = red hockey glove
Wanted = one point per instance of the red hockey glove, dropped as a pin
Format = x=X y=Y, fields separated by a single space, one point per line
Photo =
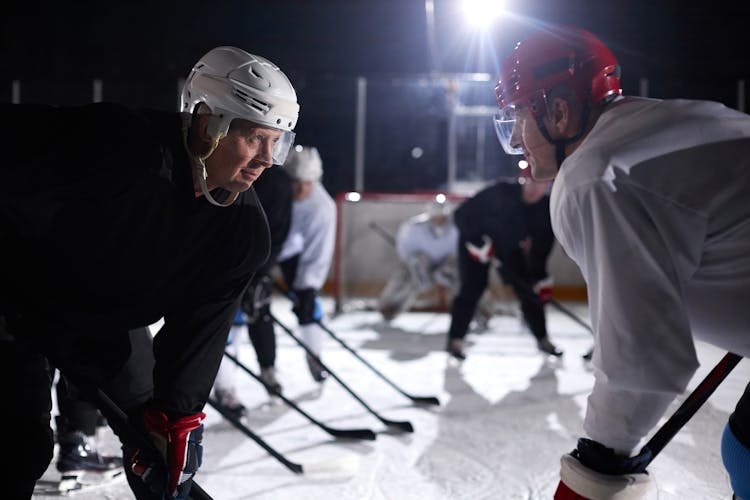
x=618 y=477
x=482 y=254
x=543 y=289
x=179 y=442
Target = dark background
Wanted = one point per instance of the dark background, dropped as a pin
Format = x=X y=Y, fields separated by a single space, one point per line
x=141 y=50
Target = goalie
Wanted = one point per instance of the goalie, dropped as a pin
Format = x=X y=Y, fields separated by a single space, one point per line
x=426 y=246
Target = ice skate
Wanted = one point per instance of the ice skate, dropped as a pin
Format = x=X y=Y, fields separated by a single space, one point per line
x=81 y=466
x=548 y=347
x=268 y=376
x=228 y=400
x=319 y=374
x=456 y=349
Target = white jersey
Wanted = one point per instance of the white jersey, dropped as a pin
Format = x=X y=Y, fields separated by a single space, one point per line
x=312 y=236
x=654 y=207
x=417 y=235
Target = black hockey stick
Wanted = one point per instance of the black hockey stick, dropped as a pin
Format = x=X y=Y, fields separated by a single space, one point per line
x=366 y=434
x=294 y=467
x=403 y=426
x=691 y=405
x=425 y=400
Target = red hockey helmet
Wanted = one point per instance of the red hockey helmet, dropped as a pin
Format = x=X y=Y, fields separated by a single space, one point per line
x=548 y=58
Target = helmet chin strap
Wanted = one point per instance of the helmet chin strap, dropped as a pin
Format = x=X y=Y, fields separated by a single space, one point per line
x=199 y=166
x=560 y=144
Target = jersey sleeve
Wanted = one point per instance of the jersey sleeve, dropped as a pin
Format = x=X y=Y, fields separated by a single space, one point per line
x=317 y=253
x=634 y=250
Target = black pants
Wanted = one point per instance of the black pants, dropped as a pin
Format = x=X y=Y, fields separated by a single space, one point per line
x=474 y=277
x=256 y=304
x=25 y=387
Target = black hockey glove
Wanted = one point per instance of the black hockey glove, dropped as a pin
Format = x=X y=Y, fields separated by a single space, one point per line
x=179 y=442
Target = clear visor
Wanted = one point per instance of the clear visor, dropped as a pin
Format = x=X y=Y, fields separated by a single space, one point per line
x=505 y=121
x=282 y=147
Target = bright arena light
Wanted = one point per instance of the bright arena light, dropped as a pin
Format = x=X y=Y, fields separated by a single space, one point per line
x=353 y=196
x=440 y=198
x=482 y=12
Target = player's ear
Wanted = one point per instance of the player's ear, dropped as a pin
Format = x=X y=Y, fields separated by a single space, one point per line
x=561 y=116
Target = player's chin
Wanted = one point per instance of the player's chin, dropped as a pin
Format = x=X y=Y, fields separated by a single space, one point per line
x=240 y=185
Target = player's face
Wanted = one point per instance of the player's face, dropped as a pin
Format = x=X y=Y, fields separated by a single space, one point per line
x=302 y=189
x=241 y=156
x=539 y=152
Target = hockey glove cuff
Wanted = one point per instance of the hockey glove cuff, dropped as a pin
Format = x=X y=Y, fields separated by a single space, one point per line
x=543 y=289
x=179 y=442
x=607 y=475
x=483 y=253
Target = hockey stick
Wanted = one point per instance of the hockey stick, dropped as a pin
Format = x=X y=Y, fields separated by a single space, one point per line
x=327 y=466
x=403 y=426
x=294 y=467
x=425 y=400
x=691 y=405
x=366 y=434
x=382 y=232
x=529 y=291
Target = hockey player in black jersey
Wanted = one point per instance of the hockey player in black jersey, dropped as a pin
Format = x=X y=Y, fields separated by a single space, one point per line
x=508 y=223
x=117 y=218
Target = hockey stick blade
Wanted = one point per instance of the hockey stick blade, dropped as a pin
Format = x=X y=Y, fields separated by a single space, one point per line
x=403 y=426
x=340 y=465
x=363 y=434
x=424 y=400
x=294 y=467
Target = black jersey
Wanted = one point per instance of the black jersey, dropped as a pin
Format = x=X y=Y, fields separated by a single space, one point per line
x=499 y=212
x=101 y=233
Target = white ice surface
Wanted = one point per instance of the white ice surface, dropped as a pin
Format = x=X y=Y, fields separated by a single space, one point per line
x=507 y=415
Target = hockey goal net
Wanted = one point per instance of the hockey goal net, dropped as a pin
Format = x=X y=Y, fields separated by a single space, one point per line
x=365 y=255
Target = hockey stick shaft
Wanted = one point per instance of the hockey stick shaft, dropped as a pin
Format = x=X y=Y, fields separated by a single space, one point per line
x=526 y=288
x=691 y=405
x=382 y=232
x=294 y=467
x=403 y=426
x=366 y=434
x=428 y=400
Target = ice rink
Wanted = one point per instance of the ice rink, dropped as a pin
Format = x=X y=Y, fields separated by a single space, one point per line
x=507 y=414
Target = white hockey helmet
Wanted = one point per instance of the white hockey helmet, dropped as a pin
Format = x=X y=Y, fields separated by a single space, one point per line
x=439 y=209
x=236 y=84
x=304 y=163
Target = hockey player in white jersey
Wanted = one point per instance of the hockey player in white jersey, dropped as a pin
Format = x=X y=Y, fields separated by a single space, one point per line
x=305 y=258
x=426 y=246
x=650 y=199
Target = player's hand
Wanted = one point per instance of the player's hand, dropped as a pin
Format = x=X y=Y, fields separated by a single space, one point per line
x=616 y=477
x=543 y=289
x=483 y=253
x=179 y=442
